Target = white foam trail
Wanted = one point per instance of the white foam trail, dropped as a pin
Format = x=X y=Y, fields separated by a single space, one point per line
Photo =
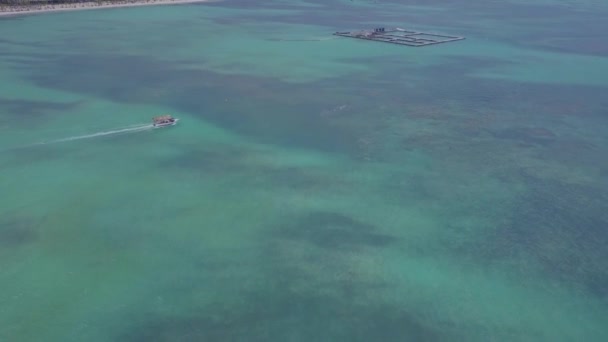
x=100 y=134
x=129 y=129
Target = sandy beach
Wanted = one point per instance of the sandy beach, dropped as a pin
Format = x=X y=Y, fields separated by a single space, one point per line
x=38 y=9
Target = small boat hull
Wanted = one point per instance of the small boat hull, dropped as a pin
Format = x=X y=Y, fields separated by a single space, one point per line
x=165 y=124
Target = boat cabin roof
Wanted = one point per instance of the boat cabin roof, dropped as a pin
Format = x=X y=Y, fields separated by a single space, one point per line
x=162 y=117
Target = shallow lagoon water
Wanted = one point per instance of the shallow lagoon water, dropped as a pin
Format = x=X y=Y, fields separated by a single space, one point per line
x=313 y=190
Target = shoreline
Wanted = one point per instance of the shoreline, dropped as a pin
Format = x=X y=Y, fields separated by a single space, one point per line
x=93 y=5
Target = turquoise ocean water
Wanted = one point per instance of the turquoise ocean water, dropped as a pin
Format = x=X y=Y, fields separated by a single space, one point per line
x=316 y=188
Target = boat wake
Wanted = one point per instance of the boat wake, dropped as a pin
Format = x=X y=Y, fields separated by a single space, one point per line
x=124 y=130
x=101 y=134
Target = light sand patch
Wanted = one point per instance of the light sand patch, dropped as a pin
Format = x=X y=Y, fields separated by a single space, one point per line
x=38 y=9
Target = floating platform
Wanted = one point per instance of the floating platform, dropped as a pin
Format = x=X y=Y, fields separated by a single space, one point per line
x=401 y=36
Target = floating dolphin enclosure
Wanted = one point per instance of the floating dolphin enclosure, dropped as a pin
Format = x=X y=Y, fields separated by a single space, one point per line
x=401 y=36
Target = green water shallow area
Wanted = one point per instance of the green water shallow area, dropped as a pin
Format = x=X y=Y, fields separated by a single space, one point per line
x=316 y=188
